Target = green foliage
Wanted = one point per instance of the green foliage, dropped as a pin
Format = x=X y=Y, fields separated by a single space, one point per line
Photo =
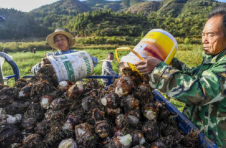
x=23 y=46
x=108 y=23
x=19 y=25
x=186 y=41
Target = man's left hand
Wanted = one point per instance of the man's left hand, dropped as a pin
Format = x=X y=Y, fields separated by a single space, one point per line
x=146 y=66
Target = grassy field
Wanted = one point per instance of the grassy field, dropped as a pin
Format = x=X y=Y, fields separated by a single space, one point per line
x=189 y=54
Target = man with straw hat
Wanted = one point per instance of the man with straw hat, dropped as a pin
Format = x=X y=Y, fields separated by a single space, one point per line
x=62 y=40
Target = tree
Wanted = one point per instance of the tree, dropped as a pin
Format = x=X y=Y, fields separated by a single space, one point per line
x=126 y=2
x=133 y=2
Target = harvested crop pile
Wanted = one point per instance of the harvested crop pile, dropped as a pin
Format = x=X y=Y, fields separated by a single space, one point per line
x=40 y=113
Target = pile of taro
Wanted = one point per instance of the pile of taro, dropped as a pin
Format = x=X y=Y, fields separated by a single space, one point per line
x=40 y=113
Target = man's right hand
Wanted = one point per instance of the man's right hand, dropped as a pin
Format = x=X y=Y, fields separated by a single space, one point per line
x=146 y=66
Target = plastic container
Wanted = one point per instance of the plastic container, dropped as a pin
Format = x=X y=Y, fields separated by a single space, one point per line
x=157 y=43
x=130 y=61
x=73 y=66
x=183 y=122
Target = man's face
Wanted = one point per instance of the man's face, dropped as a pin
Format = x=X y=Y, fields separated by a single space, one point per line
x=213 y=38
x=62 y=42
x=110 y=57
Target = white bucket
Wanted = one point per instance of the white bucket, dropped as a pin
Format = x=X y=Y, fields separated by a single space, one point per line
x=73 y=66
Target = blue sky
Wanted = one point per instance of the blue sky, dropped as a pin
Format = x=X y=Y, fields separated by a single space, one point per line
x=28 y=5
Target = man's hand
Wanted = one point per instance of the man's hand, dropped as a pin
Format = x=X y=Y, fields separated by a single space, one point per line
x=146 y=66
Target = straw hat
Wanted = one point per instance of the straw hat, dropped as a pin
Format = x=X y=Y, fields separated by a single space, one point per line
x=50 y=38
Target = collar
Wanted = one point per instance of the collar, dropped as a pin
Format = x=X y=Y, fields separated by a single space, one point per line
x=213 y=58
x=66 y=52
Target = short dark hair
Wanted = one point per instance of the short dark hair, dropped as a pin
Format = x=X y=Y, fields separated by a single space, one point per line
x=219 y=11
x=110 y=53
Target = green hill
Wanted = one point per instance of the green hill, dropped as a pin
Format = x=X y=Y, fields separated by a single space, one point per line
x=59 y=13
x=19 y=25
x=132 y=18
x=145 y=7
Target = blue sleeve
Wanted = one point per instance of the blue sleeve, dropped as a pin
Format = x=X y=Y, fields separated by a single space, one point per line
x=95 y=60
x=35 y=68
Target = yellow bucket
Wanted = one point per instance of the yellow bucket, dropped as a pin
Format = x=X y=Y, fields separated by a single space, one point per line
x=157 y=43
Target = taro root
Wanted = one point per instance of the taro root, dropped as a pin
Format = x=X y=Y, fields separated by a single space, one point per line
x=104 y=142
x=111 y=100
x=92 y=84
x=144 y=94
x=150 y=111
x=56 y=133
x=134 y=75
x=119 y=121
x=33 y=141
x=163 y=112
x=5 y=100
x=151 y=130
x=65 y=85
x=45 y=101
x=16 y=145
x=59 y=104
x=191 y=139
x=124 y=86
x=34 y=111
x=137 y=138
x=138 y=146
x=168 y=140
x=170 y=130
x=130 y=102
x=73 y=118
x=88 y=103
x=8 y=135
x=29 y=124
x=3 y=119
x=113 y=112
x=17 y=107
x=132 y=119
x=42 y=128
x=97 y=114
x=121 y=141
x=102 y=129
x=159 y=144
x=75 y=91
x=41 y=88
x=13 y=92
x=2 y=111
x=84 y=135
x=53 y=116
x=45 y=61
x=14 y=119
x=68 y=143
x=111 y=88
x=48 y=71
x=20 y=83
x=94 y=93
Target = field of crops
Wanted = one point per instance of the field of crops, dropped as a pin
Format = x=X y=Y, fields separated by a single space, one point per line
x=189 y=54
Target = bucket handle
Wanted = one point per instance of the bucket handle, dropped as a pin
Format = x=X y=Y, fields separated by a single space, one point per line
x=126 y=48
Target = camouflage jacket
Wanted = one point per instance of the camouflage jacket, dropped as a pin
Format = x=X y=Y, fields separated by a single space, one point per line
x=202 y=89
